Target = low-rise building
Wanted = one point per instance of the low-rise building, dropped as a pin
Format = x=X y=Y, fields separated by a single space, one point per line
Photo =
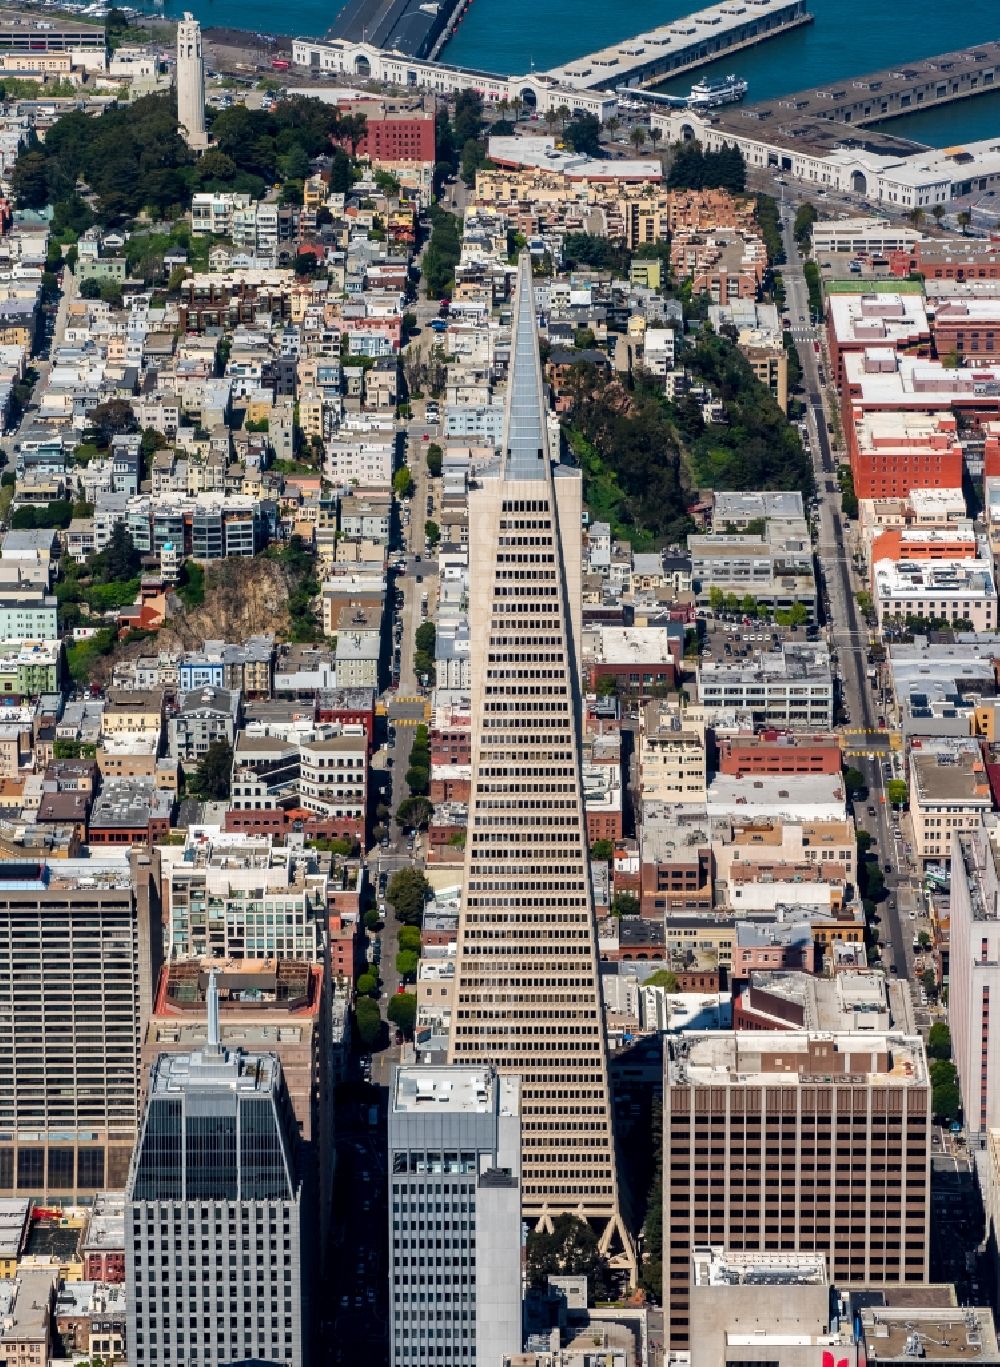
x=791 y=686
x=949 y=793
x=936 y=590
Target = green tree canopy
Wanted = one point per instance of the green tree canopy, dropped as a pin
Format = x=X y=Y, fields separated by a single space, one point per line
x=211 y=780
x=406 y=963
x=409 y=938
x=414 y=813
x=368 y=1021
x=625 y=904
x=402 y=1011
x=572 y=1250
x=663 y=977
x=407 y=893
x=946 y=1098
x=602 y=849
x=367 y=984
x=939 y=1041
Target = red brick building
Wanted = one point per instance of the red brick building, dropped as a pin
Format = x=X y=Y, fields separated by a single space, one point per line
x=407 y=137
x=779 y=752
x=948 y=260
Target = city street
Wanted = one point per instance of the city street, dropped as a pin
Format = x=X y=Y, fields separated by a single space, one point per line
x=868 y=745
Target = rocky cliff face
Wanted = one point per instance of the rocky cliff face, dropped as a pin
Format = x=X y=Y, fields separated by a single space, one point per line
x=242 y=598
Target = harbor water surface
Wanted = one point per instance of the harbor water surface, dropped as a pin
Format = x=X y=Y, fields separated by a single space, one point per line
x=848 y=38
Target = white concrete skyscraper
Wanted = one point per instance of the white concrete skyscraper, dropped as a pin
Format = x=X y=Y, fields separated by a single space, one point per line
x=191 y=83
x=527 y=993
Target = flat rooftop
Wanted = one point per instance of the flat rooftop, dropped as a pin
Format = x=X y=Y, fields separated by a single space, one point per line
x=950 y=775
x=963 y=1333
x=722 y=1267
x=444 y=1090
x=793 y=1057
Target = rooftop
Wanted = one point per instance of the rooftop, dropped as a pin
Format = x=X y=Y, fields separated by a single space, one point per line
x=445 y=1089
x=790 y=1057
x=722 y=1267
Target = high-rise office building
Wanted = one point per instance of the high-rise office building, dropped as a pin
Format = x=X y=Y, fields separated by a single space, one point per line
x=213 y=1213
x=786 y=1141
x=454 y=1217
x=191 y=83
x=80 y=945
x=527 y=992
x=974 y=974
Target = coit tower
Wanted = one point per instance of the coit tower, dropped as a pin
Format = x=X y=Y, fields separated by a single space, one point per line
x=191 y=83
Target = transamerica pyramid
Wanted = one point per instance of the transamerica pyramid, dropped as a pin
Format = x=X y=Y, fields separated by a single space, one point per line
x=527 y=991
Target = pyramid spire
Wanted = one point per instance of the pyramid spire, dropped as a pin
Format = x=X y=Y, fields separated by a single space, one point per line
x=525 y=444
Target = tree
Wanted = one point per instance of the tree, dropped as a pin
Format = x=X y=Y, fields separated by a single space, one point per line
x=406 y=963
x=583 y=134
x=571 y=1250
x=111 y=419
x=638 y=136
x=805 y=216
x=368 y=1021
x=119 y=560
x=964 y=220
x=367 y=984
x=939 y=1041
x=607 y=685
x=924 y=940
x=864 y=843
x=937 y=213
x=865 y=601
x=432 y=532
x=946 y=1098
x=435 y=460
x=625 y=904
x=897 y=792
x=414 y=813
x=854 y=782
x=409 y=938
x=651 y=1272
x=372 y=919
x=402 y=482
x=90 y=288
x=407 y=893
x=602 y=849
x=663 y=977
x=211 y=780
x=402 y=1011
x=928 y=981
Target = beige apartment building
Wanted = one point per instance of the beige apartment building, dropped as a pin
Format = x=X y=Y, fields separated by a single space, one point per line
x=672 y=757
x=949 y=792
x=788 y=1140
x=527 y=993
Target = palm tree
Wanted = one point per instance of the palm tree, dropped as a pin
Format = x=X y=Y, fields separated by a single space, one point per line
x=551 y=119
x=613 y=124
x=964 y=219
x=564 y=114
x=938 y=213
x=916 y=216
x=638 y=136
x=655 y=134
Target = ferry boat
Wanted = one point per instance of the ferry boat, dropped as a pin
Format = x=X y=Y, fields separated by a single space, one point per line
x=719 y=90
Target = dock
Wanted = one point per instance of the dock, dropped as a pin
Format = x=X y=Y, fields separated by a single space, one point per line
x=839 y=113
x=683 y=44
x=412 y=28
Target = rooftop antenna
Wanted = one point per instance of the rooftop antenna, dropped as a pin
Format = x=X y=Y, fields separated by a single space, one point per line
x=212 y=998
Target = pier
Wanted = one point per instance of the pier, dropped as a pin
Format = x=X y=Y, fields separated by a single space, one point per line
x=683 y=44
x=412 y=28
x=830 y=137
x=882 y=95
